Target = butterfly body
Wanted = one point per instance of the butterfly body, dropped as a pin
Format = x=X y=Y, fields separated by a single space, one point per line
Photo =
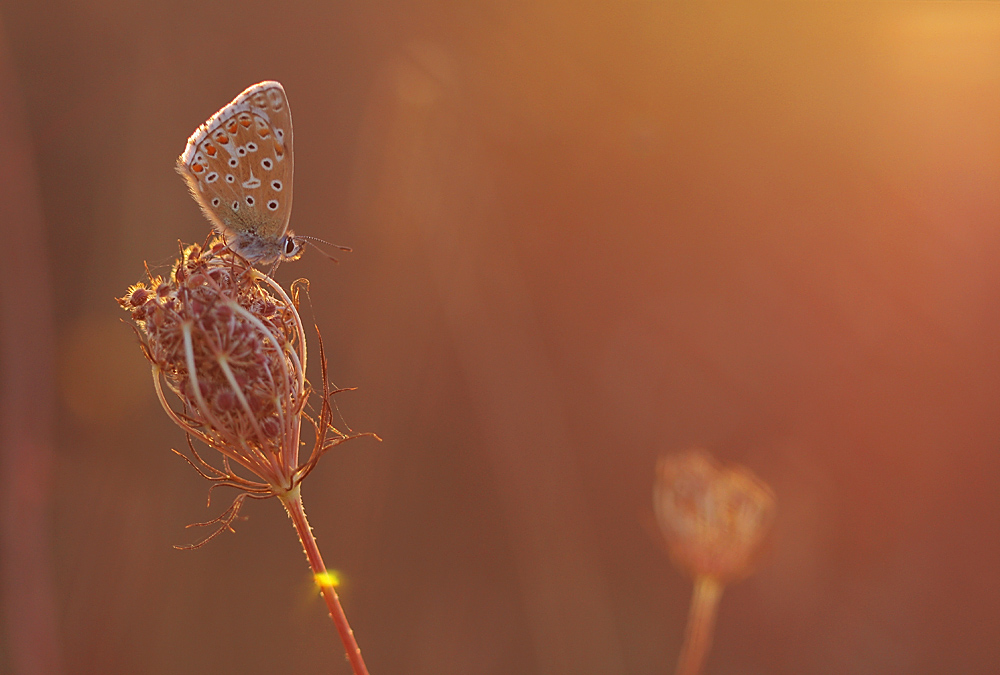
x=238 y=166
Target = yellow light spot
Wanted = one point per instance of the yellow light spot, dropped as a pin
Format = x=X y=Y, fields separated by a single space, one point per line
x=327 y=579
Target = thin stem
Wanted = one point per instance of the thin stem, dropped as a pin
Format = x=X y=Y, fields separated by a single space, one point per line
x=701 y=623
x=293 y=504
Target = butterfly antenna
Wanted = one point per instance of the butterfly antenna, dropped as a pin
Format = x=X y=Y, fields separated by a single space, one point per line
x=310 y=240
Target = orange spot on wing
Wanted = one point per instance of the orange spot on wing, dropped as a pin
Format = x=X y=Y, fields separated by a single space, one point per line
x=221 y=138
x=245 y=122
x=232 y=127
x=197 y=168
x=264 y=133
x=210 y=149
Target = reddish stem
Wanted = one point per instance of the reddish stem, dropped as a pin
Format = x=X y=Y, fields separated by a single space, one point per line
x=293 y=504
x=701 y=622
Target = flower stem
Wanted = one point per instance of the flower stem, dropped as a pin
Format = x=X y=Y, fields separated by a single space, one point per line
x=292 y=501
x=701 y=622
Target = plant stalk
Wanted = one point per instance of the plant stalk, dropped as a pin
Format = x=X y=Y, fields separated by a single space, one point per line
x=701 y=623
x=292 y=501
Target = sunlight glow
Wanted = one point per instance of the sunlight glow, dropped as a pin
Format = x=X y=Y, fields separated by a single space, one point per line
x=327 y=579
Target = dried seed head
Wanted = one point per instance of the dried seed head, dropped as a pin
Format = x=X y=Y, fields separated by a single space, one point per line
x=713 y=517
x=229 y=343
x=137 y=296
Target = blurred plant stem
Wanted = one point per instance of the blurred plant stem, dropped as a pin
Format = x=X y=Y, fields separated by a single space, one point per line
x=30 y=641
x=701 y=623
x=292 y=501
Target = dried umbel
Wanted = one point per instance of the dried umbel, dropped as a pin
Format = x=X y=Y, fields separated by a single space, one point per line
x=714 y=519
x=228 y=344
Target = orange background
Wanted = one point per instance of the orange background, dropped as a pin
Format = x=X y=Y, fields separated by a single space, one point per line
x=585 y=234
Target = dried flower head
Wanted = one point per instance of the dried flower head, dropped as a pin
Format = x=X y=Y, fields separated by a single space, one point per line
x=713 y=517
x=228 y=343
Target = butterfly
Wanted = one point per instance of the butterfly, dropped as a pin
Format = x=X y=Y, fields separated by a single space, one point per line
x=238 y=166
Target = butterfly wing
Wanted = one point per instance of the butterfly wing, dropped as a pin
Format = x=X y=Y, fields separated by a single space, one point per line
x=238 y=166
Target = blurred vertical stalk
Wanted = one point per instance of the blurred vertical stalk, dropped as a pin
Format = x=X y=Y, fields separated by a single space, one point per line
x=26 y=400
x=701 y=624
x=433 y=187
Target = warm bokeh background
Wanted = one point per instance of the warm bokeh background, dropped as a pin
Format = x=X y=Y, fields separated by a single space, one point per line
x=585 y=234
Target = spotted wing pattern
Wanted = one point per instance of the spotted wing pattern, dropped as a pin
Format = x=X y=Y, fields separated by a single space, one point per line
x=238 y=166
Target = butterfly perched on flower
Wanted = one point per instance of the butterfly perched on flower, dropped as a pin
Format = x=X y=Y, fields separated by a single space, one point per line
x=238 y=166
